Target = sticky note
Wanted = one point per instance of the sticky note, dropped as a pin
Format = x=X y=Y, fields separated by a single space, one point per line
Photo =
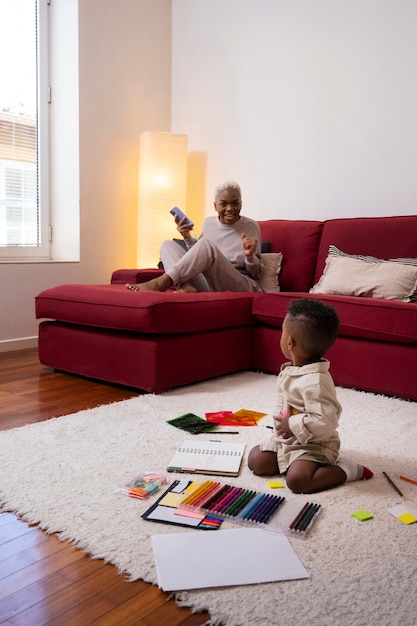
x=407 y=518
x=171 y=499
x=362 y=515
x=275 y=484
x=405 y=515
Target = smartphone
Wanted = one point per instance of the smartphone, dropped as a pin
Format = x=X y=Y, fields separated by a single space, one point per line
x=176 y=212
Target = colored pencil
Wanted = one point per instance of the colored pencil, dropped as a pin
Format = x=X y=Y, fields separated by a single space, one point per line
x=252 y=506
x=298 y=517
x=308 y=518
x=258 y=513
x=224 y=504
x=409 y=480
x=393 y=484
x=215 y=497
x=270 y=510
x=240 y=503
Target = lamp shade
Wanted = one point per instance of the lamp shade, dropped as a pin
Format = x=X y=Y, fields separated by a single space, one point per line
x=162 y=185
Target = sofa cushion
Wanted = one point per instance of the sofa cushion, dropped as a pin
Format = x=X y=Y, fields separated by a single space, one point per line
x=114 y=306
x=272 y=266
x=368 y=318
x=298 y=240
x=350 y=276
x=334 y=251
x=381 y=237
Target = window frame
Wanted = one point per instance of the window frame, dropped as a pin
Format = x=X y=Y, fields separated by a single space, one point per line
x=41 y=252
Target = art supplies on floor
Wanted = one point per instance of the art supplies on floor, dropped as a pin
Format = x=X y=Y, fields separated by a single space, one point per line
x=165 y=509
x=232 y=502
x=208 y=457
x=239 y=556
x=249 y=507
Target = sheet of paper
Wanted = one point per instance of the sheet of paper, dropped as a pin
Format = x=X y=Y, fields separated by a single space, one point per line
x=242 y=556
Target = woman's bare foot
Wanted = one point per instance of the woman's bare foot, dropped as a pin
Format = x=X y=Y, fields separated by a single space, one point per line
x=161 y=283
x=186 y=288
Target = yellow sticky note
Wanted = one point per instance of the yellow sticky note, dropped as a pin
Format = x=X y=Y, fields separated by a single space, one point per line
x=407 y=518
x=171 y=499
x=275 y=484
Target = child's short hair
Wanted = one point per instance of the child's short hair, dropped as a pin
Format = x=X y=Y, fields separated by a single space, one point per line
x=316 y=325
x=228 y=184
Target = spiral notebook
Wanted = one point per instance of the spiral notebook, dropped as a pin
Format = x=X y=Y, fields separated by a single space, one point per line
x=208 y=457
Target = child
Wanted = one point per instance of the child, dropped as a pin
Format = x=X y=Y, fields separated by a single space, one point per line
x=305 y=444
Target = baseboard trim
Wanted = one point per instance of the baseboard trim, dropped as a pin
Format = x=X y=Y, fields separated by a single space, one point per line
x=10 y=345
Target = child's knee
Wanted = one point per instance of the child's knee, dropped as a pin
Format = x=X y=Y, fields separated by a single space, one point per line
x=253 y=459
x=262 y=463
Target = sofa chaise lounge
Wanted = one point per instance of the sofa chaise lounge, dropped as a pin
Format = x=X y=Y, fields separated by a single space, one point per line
x=365 y=267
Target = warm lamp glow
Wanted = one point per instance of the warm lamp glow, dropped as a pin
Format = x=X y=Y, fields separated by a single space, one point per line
x=162 y=185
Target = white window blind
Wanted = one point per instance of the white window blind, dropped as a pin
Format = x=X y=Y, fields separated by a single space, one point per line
x=23 y=212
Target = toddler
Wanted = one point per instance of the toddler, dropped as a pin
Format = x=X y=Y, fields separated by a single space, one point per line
x=305 y=444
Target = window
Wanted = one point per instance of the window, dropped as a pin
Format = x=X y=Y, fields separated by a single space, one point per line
x=24 y=92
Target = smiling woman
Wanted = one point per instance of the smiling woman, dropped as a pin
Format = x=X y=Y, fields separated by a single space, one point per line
x=227 y=256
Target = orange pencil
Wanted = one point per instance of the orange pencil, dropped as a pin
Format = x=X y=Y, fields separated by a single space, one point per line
x=409 y=480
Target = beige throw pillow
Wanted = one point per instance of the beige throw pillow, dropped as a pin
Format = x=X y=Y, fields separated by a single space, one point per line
x=350 y=276
x=334 y=251
x=272 y=266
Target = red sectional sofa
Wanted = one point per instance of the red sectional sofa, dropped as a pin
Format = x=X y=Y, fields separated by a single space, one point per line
x=156 y=341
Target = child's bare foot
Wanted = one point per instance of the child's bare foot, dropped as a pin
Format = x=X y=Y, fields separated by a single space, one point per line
x=186 y=288
x=161 y=283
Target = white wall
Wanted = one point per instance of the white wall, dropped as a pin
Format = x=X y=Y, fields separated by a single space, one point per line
x=309 y=104
x=124 y=88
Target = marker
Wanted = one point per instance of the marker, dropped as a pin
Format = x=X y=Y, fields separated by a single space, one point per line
x=312 y=510
x=393 y=484
x=409 y=480
x=299 y=516
x=313 y=517
x=303 y=517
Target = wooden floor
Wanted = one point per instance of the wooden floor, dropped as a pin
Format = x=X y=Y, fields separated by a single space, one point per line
x=43 y=580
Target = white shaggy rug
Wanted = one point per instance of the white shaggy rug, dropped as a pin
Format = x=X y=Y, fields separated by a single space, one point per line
x=61 y=474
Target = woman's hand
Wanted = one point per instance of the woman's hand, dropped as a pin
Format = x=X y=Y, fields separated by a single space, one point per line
x=184 y=229
x=248 y=245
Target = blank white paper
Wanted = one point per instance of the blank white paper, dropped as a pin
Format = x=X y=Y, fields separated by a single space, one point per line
x=242 y=556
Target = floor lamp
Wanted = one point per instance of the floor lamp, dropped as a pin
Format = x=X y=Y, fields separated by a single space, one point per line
x=162 y=185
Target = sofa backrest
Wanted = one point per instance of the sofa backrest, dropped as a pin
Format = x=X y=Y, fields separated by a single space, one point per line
x=382 y=237
x=298 y=240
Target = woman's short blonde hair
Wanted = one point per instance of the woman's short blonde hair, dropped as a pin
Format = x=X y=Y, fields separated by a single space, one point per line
x=228 y=184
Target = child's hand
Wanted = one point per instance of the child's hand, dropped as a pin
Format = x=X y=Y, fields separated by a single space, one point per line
x=281 y=424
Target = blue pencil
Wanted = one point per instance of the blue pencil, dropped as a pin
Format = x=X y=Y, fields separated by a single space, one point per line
x=274 y=505
x=259 y=503
x=252 y=506
x=258 y=513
